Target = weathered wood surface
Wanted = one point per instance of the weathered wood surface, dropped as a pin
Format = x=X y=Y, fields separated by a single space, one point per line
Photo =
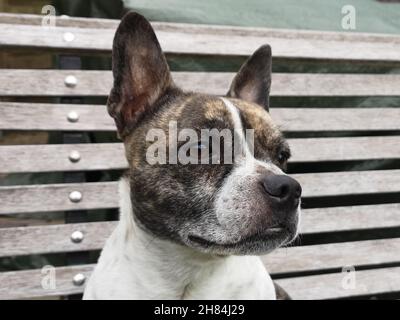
x=330 y=286
x=37 y=198
x=47 y=158
x=53 y=238
x=200 y=39
x=349 y=183
x=38 y=116
x=111 y=156
x=61 y=21
x=99 y=83
x=57 y=238
x=342 y=149
x=50 y=117
x=55 y=197
x=337 y=119
x=350 y=218
x=28 y=283
x=335 y=255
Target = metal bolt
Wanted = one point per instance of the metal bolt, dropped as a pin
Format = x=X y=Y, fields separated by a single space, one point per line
x=79 y=279
x=75 y=196
x=68 y=37
x=73 y=116
x=77 y=237
x=71 y=81
x=74 y=156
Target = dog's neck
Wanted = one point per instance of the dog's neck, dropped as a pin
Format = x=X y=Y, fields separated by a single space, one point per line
x=170 y=267
x=136 y=265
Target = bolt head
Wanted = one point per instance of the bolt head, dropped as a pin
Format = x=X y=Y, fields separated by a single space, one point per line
x=73 y=116
x=74 y=156
x=71 y=81
x=68 y=37
x=75 y=196
x=79 y=279
x=77 y=237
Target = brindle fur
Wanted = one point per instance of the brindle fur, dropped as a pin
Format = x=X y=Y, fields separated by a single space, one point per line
x=166 y=198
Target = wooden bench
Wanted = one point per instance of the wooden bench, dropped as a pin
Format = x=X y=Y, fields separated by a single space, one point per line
x=351 y=217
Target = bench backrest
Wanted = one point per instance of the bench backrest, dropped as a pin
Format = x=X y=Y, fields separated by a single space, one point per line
x=351 y=217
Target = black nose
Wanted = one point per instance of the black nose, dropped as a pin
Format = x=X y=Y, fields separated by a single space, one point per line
x=282 y=188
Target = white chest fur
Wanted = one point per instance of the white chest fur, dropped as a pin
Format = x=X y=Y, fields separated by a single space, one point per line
x=135 y=265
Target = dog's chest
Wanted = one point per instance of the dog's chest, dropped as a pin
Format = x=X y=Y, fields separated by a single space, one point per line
x=237 y=278
x=146 y=277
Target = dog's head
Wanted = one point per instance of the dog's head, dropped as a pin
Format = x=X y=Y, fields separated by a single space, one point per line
x=243 y=205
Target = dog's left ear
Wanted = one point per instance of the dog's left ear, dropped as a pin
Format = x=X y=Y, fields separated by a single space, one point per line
x=253 y=81
x=141 y=73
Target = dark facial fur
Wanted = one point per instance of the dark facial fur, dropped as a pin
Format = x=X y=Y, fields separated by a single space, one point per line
x=186 y=203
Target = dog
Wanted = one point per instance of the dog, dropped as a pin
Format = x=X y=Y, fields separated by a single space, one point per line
x=191 y=231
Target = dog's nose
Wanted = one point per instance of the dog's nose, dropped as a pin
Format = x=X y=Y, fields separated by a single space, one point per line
x=282 y=188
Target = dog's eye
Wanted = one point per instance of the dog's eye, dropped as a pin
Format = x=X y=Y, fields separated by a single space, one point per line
x=283 y=156
x=202 y=146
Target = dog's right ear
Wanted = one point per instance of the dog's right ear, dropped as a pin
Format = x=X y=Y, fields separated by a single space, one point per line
x=141 y=73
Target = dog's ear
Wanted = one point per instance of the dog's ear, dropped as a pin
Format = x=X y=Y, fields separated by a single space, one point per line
x=253 y=81
x=141 y=73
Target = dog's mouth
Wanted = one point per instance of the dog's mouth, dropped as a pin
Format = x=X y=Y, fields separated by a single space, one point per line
x=272 y=236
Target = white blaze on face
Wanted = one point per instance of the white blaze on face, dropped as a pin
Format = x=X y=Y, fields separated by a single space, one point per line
x=237 y=202
x=247 y=157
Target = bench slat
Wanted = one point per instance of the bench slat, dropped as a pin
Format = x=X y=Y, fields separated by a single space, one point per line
x=99 y=83
x=28 y=283
x=55 y=197
x=36 y=198
x=178 y=38
x=53 y=238
x=111 y=156
x=56 y=238
x=48 y=158
x=350 y=218
x=349 y=183
x=329 y=286
x=38 y=116
x=331 y=256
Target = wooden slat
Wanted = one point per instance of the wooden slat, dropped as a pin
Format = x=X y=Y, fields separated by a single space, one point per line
x=37 y=116
x=331 y=256
x=342 y=149
x=53 y=239
x=349 y=183
x=111 y=156
x=329 y=286
x=337 y=119
x=28 y=284
x=211 y=40
x=350 y=218
x=47 y=158
x=37 y=198
x=56 y=238
x=55 y=197
x=65 y=21
x=99 y=83
x=62 y=21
